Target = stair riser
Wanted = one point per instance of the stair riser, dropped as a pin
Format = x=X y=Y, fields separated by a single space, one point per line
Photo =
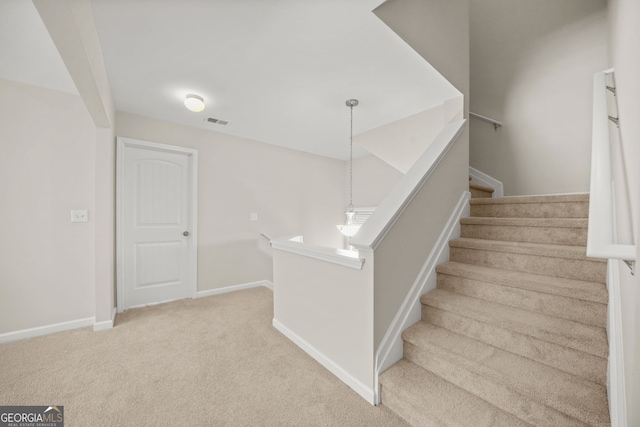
x=479 y=194
x=493 y=392
x=401 y=405
x=565 y=308
x=545 y=235
x=532 y=210
x=551 y=266
x=572 y=361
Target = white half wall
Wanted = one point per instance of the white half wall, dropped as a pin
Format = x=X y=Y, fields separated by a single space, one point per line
x=414 y=235
x=327 y=310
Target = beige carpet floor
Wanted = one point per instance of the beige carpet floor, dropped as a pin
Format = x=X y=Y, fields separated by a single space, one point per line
x=213 y=361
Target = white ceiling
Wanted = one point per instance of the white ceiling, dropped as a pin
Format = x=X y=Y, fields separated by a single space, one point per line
x=279 y=71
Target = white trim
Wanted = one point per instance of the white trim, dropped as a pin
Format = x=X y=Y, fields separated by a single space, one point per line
x=192 y=242
x=193 y=220
x=577 y=193
x=489 y=181
x=227 y=289
x=373 y=232
x=360 y=388
x=106 y=324
x=390 y=349
x=46 y=330
x=615 y=368
x=342 y=257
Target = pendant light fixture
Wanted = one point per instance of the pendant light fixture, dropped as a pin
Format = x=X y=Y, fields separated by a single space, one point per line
x=351 y=226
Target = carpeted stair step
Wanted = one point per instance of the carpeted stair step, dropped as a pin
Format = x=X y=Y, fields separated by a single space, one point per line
x=578 y=336
x=559 y=206
x=533 y=392
x=577 y=289
x=568 y=262
x=479 y=190
x=587 y=312
x=425 y=399
x=575 y=362
x=557 y=231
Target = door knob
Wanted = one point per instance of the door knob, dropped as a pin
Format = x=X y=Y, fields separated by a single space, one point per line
x=186 y=233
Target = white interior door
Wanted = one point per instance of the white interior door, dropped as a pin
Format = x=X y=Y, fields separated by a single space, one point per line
x=156 y=227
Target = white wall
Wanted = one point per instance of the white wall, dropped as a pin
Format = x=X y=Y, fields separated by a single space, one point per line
x=72 y=29
x=401 y=142
x=372 y=181
x=47 y=168
x=292 y=192
x=532 y=64
x=439 y=32
x=624 y=45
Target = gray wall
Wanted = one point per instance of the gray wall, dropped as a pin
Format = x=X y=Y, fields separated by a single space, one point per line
x=532 y=64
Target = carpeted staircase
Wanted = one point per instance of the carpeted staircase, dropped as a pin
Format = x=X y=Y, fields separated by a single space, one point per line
x=514 y=334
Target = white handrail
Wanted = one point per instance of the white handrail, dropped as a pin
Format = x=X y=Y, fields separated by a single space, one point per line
x=496 y=123
x=601 y=234
x=295 y=245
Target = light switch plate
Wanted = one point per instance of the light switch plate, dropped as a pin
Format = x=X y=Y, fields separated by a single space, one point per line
x=253 y=216
x=80 y=216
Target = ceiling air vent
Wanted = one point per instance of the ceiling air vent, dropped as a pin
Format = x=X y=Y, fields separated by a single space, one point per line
x=217 y=121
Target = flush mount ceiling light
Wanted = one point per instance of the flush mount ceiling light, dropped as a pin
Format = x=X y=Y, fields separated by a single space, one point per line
x=194 y=103
x=351 y=226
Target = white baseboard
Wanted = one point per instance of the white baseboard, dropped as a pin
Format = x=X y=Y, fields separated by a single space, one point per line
x=360 y=388
x=227 y=289
x=615 y=368
x=390 y=349
x=106 y=324
x=45 y=330
x=484 y=179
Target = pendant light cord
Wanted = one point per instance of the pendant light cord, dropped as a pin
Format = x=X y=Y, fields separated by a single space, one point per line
x=351 y=163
